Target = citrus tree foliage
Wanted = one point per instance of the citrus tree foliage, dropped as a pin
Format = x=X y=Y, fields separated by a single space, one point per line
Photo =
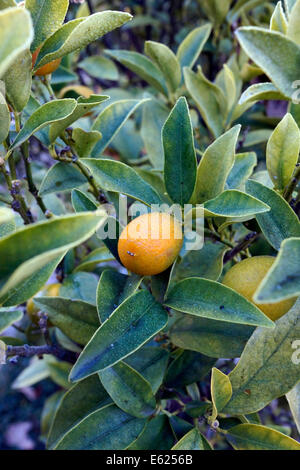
x=177 y=360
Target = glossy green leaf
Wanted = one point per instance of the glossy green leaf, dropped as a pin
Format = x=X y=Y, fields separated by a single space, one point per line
x=283 y=279
x=187 y=368
x=293 y=24
x=4 y=119
x=82 y=202
x=133 y=323
x=111 y=120
x=283 y=151
x=83 y=106
x=221 y=391
x=84 y=142
x=77 y=319
x=266 y=369
x=97 y=256
x=47 y=16
x=180 y=158
x=206 y=263
x=78 y=33
x=215 y=166
x=59 y=372
x=293 y=398
x=61 y=177
x=274 y=53
x=192 y=45
x=112 y=290
x=8 y=317
x=157 y=435
x=210 y=299
x=80 y=286
x=120 y=178
x=233 y=203
x=193 y=440
x=129 y=390
x=155 y=115
x=281 y=221
x=108 y=428
x=256 y=437
x=166 y=61
x=18 y=80
x=241 y=170
x=44 y=116
x=81 y=400
x=12 y=44
x=23 y=257
x=100 y=67
x=50 y=406
x=142 y=66
x=259 y=92
x=151 y=363
x=209 y=99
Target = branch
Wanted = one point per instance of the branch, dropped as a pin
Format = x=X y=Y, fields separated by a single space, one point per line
x=30 y=351
x=243 y=245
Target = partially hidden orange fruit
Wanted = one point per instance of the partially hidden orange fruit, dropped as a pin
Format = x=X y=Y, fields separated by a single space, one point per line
x=47 y=68
x=245 y=278
x=150 y=243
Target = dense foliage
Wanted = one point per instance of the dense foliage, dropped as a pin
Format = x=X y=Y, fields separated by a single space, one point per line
x=144 y=103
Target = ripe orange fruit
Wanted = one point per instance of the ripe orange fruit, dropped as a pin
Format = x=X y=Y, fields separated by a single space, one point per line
x=50 y=290
x=47 y=68
x=150 y=243
x=246 y=276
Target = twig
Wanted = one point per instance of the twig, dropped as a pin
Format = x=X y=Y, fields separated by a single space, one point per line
x=293 y=184
x=243 y=245
x=30 y=351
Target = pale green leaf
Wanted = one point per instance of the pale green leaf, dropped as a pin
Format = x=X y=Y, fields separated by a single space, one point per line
x=166 y=61
x=293 y=397
x=18 y=79
x=193 y=440
x=221 y=391
x=257 y=437
x=61 y=177
x=278 y=20
x=192 y=45
x=293 y=25
x=8 y=317
x=259 y=92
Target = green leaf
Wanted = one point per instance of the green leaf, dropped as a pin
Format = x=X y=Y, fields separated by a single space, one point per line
x=77 y=319
x=293 y=24
x=108 y=428
x=166 y=61
x=210 y=337
x=80 y=286
x=275 y=54
x=7 y=3
x=82 y=202
x=209 y=299
x=112 y=290
x=23 y=256
x=208 y=97
x=4 y=119
x=80 y=401
x=266 y=369
x=216 y=10
x=192 y=45
x=259 y=92
x=155 y=115
x=233 y=203
x=283 y=279
x=157 y=435
x=49 y=409
x=241 y=8
x=44 y=116
x=120 y=178
x=61 y=177
x=97 y=256
x=142 y=66
x=241 y=170
x=278 y=20
x=32 y=374
x=283 y=151
x=59 y=372
x=7 y=221
x=293 y=398
x=193 y=440
x=12 y=44
x=188 y=367
x=100 y=67
x=215 y=166
x=289 y=6
x=78 y=33
x=151 y=363
x=129 y=390
x=256 y=437
x=47 y=17
x=206 y=263
x=133 y=323
x=83 y=106
x=84 y=142
x=180 y=158
x=281 y=221
x=111 y=120
x=8 y=317
x=18 y=80
x=221 y=391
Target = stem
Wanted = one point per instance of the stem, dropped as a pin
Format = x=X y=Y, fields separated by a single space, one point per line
x=243 y=245
x=288 y=193
x=30 y=351
x=47 y=83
